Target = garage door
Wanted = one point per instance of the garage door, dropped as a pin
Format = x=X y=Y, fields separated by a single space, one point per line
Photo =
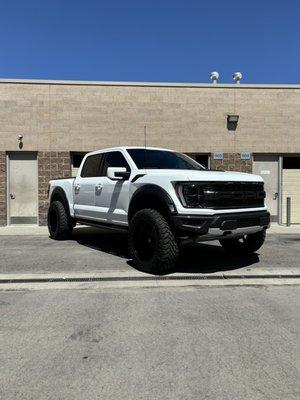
x=291 y=188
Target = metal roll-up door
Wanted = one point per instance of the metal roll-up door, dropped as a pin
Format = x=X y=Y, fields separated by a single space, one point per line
x=291 y=188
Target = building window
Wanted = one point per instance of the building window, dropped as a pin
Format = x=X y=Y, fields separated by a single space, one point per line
x=291 y=163
x=76 y=159
x=202 y=159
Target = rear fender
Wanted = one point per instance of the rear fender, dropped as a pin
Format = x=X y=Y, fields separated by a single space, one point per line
x=58 y=194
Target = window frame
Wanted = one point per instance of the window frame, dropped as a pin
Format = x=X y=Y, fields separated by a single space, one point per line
x=129 y=150
x=128 y=168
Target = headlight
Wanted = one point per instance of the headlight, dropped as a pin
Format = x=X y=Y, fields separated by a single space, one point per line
x=190 y=194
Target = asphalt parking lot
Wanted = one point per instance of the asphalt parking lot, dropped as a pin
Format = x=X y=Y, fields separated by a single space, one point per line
x=94 y=250
x=165 y=343
x=113 y=340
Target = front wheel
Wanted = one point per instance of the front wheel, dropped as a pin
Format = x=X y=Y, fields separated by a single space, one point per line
x=152 y=244
x=246 y=244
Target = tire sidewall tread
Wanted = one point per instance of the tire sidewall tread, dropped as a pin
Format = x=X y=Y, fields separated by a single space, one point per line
x=64 y=227
x=166 y=253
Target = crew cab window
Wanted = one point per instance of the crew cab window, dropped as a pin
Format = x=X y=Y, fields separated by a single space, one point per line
x=114 y=159
x=92 y=165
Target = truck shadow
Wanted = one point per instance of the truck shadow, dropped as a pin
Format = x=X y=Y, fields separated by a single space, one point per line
x=103 y=240
x=209 y=258
x=197 y=258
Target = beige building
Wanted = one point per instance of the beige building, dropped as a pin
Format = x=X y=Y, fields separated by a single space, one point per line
x=47 y=126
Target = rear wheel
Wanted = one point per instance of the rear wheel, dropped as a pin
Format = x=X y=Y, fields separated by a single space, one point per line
x=246 y=244
x=59 y=223
x=152 y=244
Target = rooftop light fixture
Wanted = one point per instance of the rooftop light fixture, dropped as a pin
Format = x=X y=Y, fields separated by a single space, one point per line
x=237 y=76
x=214 y=76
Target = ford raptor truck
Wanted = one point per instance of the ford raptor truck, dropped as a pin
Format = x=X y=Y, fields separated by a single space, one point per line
x=163 y=199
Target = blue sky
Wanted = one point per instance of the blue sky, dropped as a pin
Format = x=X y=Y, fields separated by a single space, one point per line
x=137 y=40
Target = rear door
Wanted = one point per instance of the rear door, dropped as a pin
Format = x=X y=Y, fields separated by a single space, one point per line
x=111 y=200
x=85 y=186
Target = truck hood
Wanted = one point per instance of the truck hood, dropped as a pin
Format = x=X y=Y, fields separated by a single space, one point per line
x=205 y=175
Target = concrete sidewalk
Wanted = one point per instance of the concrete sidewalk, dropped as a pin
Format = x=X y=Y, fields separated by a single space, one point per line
x=26 y=230
x=33 y=230
x=283 y=229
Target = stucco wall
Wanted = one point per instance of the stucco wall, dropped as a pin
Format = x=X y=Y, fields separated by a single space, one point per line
x=60 y=117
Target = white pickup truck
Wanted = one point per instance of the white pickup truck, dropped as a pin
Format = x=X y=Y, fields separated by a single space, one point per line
x=163 y=199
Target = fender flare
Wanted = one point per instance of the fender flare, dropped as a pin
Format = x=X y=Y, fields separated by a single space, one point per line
x=155 y=192
x=59 y=194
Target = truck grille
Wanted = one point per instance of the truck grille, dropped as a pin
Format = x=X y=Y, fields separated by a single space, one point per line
x=226 y=195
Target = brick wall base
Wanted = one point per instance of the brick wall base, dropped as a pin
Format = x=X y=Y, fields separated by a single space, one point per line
x=232 y=162
x=51 y=165
x=3 y=202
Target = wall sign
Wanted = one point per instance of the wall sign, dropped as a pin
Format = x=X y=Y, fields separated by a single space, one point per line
x=245 y=156
x=218 y=156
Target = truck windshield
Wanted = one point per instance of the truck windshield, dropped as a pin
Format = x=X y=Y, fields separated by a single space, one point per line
x=162 y=159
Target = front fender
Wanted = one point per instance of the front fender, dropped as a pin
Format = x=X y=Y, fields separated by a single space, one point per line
x=149 y=193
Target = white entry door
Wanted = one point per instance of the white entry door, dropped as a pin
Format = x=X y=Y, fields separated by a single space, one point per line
x=266 y=165
x=22 y=188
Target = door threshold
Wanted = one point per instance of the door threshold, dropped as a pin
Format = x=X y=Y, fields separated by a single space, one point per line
x=21 y=225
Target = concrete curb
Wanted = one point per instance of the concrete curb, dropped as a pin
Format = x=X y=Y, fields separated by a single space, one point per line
x=133 y=274
x=136 y=279
x=148 y=284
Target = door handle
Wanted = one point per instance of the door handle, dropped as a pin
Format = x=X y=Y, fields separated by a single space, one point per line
x=98 y=189
x=12 y=196
x=77 y=188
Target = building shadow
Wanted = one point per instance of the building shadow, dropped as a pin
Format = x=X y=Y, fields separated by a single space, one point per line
x=197 y=258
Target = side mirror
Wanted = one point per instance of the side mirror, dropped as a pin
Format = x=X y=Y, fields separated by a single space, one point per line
x=118 y=173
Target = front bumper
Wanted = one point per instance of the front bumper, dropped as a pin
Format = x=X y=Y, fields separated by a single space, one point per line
x=231 y=224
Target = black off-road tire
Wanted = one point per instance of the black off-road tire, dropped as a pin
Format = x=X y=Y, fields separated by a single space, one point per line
x=248 y=244
x=157 y=254
x=59 y=222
